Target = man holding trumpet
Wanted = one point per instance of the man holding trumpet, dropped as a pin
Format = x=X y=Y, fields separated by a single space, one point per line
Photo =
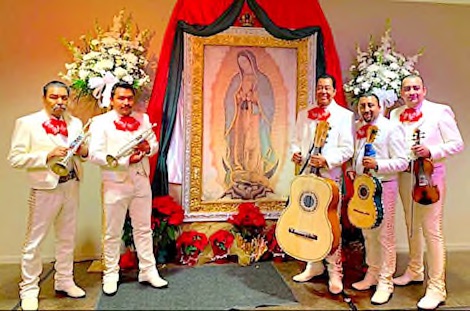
x=40 y=140
x=121 y=142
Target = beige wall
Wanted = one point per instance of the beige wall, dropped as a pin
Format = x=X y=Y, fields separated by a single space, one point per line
x=31 y=53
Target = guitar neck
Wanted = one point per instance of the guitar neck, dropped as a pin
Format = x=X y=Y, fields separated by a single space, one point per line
x=313 y=169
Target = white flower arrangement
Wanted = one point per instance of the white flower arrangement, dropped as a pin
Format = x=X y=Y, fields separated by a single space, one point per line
x=114 y=55
x=380 y=70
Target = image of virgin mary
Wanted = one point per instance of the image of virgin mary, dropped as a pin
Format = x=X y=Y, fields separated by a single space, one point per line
x=250 y=160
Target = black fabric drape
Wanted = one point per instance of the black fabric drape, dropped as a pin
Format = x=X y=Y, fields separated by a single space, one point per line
x=289 y=34
x=170 y=104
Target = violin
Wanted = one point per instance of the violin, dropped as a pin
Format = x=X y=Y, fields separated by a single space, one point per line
x=424 y=190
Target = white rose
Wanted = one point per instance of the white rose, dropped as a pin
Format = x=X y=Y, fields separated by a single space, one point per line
x=357 y=91
x=104 y=64
x=373 y=68
x=120 y=72
x=128 y=79
x=365 y=85
x=83 y=74
x=131 y=58
x=91 y=55
x=114 y=51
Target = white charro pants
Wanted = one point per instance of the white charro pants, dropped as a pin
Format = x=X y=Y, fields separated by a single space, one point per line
x=46 y=207
x=135 y=195
x=426 y=221
x=333 y=261
x=380 y=242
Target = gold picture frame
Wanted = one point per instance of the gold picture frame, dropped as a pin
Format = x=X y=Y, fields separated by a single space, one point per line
x=281 y=83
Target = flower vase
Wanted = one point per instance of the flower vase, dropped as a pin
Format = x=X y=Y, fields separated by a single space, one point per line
x=166 y=254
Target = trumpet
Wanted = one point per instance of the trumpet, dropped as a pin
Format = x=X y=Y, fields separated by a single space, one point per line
x=61 y=167
x=129 y=146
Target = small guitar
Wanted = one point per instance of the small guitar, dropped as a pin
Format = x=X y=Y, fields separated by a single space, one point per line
x=365 y=210
x=424 y=190
x=309 y=229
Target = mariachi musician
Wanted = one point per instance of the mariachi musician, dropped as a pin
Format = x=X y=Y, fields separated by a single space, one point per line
x=39 y=140
x=439 y=139
x=388 y=159
x=338 y=148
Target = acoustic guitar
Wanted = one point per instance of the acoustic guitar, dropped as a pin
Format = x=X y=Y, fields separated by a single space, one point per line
x=365 y=209
x=309 y=229
x=424 y=190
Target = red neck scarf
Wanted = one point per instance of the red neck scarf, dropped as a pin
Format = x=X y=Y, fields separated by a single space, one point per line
x=318 y=113
x=362 y=131
x=55 y=126
x=127 y=123
x=410 y=115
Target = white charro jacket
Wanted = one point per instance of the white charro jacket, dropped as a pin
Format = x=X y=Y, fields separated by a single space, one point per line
x=30 y=145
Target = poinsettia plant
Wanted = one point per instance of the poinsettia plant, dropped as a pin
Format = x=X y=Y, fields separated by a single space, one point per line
x=167 y=216
x=189 y=245
x=221 y=241
x=249 y=222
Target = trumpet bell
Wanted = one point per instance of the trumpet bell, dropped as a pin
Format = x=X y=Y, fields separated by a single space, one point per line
x=112 y=161
x=60 y=169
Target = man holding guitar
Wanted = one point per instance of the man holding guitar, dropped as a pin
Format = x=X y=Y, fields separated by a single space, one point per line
x=439 y=138
x=338 y=148
x=387 y=159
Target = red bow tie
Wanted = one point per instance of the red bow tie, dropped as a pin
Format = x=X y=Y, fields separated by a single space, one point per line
x=362 y=131
x=318 y=113
x=127 y=123
x=54 y=126
x=410 y=115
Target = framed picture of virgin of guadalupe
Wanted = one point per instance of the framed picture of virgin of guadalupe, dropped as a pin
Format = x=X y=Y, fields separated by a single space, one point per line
x=242 y=90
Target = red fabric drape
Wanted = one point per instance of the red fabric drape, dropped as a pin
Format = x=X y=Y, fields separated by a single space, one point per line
x=284 y=13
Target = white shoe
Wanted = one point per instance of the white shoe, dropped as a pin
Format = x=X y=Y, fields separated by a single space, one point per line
x=408 y=278
x=154 y=279
x=381 y=297
x=29 y=303
x=431 y=301
x=110 y=288
x=335 y=285
x=366 y=283
x=73 y=291
x=311 y=270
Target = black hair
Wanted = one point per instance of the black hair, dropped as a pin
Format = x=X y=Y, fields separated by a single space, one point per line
x=56 y=84
x=327 y=76
x=123 y=85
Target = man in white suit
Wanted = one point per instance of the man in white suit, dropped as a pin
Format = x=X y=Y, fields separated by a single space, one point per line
x=338 y=148
x=38 y=140
x=387 y=159
x=441 y=139
x=126 y=185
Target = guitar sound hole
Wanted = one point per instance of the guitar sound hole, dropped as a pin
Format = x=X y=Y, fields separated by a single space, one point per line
x=308 y=201
x=363 y=192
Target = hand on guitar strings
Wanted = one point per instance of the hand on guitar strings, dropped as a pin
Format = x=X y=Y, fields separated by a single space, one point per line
x=318 y=161
x=421 y=151
x=369 y=162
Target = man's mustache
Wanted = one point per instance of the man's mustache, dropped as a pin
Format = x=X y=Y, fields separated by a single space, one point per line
x=59 y=106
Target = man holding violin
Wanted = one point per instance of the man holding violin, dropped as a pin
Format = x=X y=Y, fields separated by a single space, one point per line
x=431 y=136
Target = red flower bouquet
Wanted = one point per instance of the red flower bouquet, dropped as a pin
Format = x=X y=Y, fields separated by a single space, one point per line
x=167 y=215
x=189 y=245
x=274 y=250
x=249 y=221
x=221 y=241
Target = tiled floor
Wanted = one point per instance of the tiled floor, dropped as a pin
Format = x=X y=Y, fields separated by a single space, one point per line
x=312 y=295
